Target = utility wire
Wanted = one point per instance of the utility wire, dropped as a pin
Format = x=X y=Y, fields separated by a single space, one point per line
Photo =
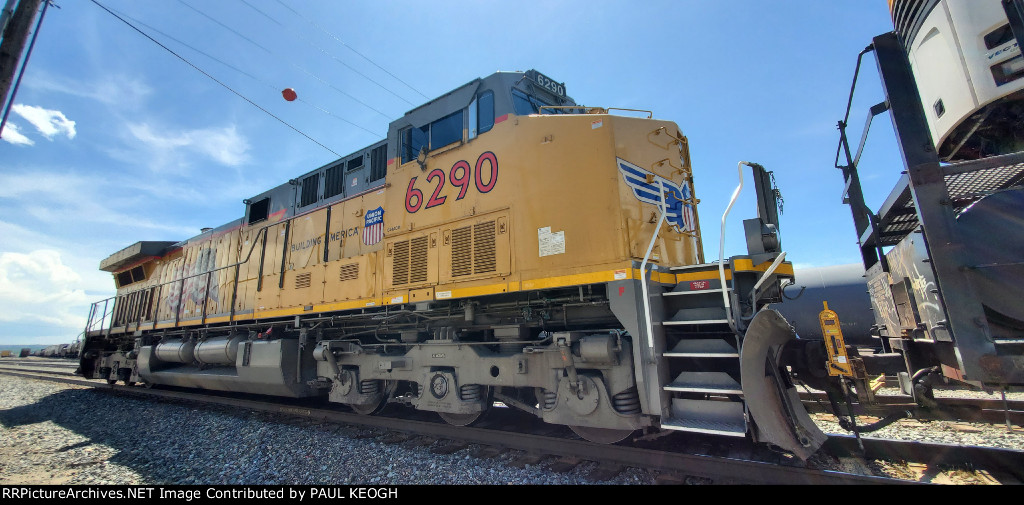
x=335 y=37
x=226 y=27
x=210 y=56
x=214 y=79
x=236 y=69
x=329 y=54
x=296 y=66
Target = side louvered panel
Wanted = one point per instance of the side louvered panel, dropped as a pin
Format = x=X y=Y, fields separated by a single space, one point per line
x=302 y=281
x=348 y=272
x=418 y=260
x=483 y=248
x=462 y=251
x=400 y=264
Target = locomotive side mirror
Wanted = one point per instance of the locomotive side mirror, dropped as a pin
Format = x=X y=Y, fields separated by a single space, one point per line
x=422 y=158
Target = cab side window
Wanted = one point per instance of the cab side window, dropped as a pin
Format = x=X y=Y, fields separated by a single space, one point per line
x=485 y=111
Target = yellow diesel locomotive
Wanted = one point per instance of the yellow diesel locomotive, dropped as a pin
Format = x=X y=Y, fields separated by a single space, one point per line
x=502 y=244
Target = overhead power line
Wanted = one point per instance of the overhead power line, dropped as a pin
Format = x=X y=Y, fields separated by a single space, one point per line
x=335 y=37
x=289 y=62
x=214 y=79
x=247 y=74
x=329 y=54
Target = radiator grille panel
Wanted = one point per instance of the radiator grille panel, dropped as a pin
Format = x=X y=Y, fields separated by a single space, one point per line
x=302 y=281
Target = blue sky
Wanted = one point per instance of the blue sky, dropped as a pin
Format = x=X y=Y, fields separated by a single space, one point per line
x=114 y=140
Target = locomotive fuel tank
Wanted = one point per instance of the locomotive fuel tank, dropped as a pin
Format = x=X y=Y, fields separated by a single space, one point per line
x=175 y=351
x=218 y=351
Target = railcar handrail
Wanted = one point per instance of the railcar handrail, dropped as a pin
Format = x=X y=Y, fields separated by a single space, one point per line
x=767 y=273
x=182 y=280
x=587 y=110
x=649 y=324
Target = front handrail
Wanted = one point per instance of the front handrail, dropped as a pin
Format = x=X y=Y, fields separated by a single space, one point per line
x=90 y=324
x=721 y=247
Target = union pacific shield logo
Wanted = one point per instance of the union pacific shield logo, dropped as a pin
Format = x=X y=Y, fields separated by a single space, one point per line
x=373 y=227
x=677 y=211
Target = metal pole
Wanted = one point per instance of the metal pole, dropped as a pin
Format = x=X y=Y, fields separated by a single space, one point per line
x=6 y=15
x=14 y=91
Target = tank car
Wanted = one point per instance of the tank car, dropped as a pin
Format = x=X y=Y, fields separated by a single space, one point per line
x=943 y=255
x=503 y=243
x=845 y=290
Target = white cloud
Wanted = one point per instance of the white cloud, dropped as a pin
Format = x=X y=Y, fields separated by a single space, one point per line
x=38 y=287
x=117 y=90
x=85 y=198
x=223 y=145
x=13 y=136
x=48 y=122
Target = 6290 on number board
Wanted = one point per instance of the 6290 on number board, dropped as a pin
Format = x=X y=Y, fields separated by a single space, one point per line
x=484 y=175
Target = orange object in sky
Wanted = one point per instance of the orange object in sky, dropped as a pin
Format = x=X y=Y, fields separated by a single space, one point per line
x=289 y=94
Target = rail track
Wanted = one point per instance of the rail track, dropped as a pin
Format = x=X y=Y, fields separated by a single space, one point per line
x=710 y=458
x=980 y=410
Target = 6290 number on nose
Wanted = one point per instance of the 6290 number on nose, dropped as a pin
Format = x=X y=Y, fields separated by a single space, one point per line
x=461 y=175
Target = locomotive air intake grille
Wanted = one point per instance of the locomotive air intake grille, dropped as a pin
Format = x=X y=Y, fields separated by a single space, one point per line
x=302 y=281
x=409 y=262
x=400 y=264
x=473 y=249
x=483 y=247
x=349 y=272
x=418 y=261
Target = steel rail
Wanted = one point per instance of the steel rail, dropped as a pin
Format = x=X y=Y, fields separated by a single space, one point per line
x=718 y=469
x=989 y=411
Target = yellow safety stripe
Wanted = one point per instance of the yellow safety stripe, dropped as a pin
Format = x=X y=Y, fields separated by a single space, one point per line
x=745 y=265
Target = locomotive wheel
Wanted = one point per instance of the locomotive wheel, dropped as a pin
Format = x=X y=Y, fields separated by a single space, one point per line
x=472 y=418
x=601 y=435
x=379 y=401
x=462 y=419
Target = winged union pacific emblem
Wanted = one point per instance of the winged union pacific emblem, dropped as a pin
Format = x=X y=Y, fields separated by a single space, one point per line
x=677 y=212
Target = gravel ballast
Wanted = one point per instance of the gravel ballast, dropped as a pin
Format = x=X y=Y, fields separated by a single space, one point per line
x=66 y=434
